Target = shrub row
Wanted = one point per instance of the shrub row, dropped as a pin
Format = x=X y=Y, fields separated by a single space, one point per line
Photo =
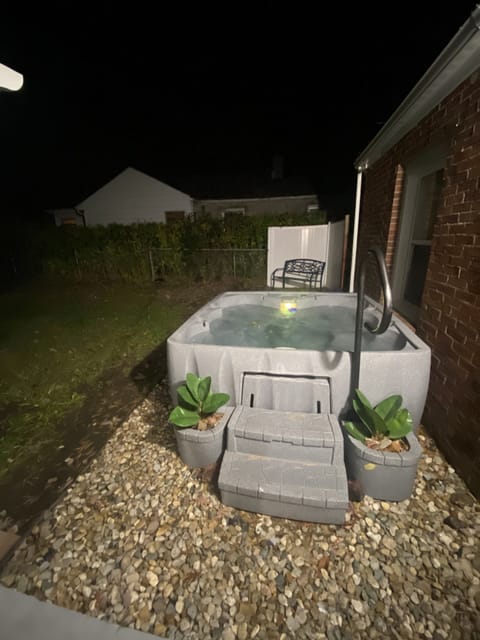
x=134 y=252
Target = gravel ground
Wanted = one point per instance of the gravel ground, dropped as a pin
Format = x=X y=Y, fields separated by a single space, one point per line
x=142 y=541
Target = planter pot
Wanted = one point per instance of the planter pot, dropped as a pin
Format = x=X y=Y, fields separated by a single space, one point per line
x=202 y=448
x=382 y=475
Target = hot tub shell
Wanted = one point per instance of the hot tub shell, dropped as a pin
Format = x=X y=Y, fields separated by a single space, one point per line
x=307 y=380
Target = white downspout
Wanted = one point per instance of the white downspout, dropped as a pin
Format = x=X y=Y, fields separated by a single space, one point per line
x=358 y=196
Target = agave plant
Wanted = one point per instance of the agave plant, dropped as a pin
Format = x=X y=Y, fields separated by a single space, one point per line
x=196 y=402
x=384 y=423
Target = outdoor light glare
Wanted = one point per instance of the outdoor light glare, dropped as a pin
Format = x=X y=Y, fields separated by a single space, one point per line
x=288 y=307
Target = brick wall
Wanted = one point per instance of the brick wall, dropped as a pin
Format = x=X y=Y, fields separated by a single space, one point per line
x=450 y=312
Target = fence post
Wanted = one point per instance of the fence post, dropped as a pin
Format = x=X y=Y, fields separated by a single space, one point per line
x=77 y=264
x=234 y=267
x=152 y=266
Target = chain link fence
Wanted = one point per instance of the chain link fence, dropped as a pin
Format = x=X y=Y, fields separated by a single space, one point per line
x=158 y=265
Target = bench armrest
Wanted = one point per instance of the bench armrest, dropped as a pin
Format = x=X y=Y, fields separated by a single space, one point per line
x=274 y=272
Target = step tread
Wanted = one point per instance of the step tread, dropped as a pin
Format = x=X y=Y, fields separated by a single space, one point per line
x=275 y=479
x=303 y=429
x=295 y=436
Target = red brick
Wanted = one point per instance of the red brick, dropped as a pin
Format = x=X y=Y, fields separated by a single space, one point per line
x=471 y=252
x=450 y=315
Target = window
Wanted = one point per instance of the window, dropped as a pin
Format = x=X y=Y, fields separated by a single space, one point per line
x=174 y=216
x=233 y=212
x=420 y=202
x=427 y=204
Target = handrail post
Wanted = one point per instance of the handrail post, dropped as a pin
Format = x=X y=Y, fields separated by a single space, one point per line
x=384 y=323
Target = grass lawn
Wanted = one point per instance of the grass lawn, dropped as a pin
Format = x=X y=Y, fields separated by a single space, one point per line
x=55 y=341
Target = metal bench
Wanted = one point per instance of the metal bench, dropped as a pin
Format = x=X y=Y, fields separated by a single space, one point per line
x=299 y=272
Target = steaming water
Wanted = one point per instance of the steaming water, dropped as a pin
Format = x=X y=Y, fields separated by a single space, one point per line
x=317 y=328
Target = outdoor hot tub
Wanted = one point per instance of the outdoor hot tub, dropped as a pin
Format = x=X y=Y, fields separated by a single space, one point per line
x=292 y=351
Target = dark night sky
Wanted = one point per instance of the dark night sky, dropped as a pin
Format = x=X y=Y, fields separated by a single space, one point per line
x=175 y=91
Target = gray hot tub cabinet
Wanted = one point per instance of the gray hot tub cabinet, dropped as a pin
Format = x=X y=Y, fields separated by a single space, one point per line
x=294 y=379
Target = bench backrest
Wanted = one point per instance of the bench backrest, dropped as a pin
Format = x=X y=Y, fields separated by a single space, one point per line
x=304 y=265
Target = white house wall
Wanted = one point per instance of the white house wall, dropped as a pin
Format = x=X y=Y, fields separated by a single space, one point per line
x=257 y=206
x=133 y=197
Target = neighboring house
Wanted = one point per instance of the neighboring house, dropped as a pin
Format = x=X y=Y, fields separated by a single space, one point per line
x=133 y=196
x=252 y=194
x=421 y=205
x=130 y=197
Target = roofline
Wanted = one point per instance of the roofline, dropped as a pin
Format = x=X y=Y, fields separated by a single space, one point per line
x=246 y=199
x=124 y=171
x=459 y=59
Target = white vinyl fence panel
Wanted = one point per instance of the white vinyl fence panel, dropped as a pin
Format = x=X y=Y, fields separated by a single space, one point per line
x=318 y=242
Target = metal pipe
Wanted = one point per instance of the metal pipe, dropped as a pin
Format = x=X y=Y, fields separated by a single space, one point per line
x=355 y=229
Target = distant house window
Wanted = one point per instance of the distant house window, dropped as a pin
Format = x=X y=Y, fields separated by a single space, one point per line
x=233 y=212
x=174 y=216
x=68 y=221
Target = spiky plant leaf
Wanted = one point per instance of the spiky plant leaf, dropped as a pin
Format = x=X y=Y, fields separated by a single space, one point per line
x=182 y=417
x=204 y=389
x=192 y=382
x=214 y=402
x=388 y=408
x=363 y=399
x=186 y=399
x=354 y=431
x=362 y=412
x=400 y=425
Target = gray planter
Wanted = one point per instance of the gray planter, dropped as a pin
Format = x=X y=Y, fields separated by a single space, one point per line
x=202 y=448
x=382 y=475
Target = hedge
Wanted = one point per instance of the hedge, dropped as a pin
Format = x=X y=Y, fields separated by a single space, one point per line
x=134 y=252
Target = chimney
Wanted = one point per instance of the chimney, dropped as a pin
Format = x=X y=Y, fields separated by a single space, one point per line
x=277 y=167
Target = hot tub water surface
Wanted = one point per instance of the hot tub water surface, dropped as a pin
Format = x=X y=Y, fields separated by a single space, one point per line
x=319 y=328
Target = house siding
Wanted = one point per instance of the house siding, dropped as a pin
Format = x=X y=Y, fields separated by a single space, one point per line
x=133 y=197
x=450 y=310
x=257 y=206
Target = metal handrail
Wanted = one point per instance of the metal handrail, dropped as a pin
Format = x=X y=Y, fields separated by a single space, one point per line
x=384 y=323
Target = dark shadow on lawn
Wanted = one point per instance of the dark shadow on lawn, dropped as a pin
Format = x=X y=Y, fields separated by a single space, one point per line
x=82 y=433
x=33 y=487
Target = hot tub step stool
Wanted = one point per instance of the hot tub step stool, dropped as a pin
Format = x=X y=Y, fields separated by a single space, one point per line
x=285 y=464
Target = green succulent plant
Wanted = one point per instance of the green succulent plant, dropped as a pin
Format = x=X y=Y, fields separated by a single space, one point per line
x=196 y=401
x=386 y=420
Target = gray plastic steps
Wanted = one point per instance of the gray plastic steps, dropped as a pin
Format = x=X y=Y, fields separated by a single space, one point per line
x=283 y=488
x=285 y=464
x=310 y=437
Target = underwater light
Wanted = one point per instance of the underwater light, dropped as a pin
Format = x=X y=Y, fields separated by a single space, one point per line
x=288 y=307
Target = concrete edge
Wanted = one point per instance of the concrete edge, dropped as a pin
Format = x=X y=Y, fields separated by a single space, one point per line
x=24 y=617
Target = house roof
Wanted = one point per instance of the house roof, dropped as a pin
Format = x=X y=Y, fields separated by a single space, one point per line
x=459 y=59
x=128 y=173
x=236 y=186
x=219 y=186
